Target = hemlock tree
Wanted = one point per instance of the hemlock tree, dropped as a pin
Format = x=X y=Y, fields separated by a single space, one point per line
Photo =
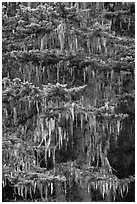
x=68 y=100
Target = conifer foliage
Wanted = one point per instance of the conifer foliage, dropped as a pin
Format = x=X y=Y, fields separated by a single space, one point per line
x=68 y=71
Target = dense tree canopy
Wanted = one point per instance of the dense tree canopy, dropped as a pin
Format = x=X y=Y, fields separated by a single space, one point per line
x=68 y=101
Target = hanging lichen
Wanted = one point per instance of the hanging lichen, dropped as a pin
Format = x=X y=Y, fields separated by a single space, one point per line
x=85 y=47
x=61 y=34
